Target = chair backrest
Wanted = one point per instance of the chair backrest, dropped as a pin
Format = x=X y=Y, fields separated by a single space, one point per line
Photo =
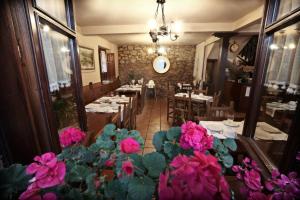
x=150 y=84
x=183 y=105
x=218 y=113
x=133 y=111
x=126 y=114
x=116 y=119
x=216 y=98
x=198 y=91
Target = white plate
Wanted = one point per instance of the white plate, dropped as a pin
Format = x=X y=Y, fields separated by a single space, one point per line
x=214 y=127
x=231 y=123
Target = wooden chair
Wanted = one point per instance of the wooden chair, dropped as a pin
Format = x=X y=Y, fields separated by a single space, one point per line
x=216 y=98
x=126 y=115
x=219 y=113
x=198 y=91
x=133 y=111
x=182 y=109
x=116 y=119
x=142 y=99
x=170 y=102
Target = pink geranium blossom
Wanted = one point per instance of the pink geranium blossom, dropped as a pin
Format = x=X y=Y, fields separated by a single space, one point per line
x=70 y=136
x=128 y=167
x=129 y=146
x=195 y=177
x=47 y=171
x=195 y=136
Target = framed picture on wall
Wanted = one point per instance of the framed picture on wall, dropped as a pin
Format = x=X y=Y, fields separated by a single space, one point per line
x=86 y=56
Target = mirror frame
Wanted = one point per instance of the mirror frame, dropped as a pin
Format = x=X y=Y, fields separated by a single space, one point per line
x=158 y=58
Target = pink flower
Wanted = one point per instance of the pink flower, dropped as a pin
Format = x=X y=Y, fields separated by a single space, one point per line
x=165 y=192
x=32 y=190
x=70 y=136
x=110 y=163
x=128 y=167
x=258 y=196
x=252 y=180
x=33 y=195
x=49 y=196
x=298 y=156
x=195 y=177
x=48 y=172
x=129 y=145
x=196 y=137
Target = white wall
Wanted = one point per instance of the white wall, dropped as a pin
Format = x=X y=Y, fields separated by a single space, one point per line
x=93 y=42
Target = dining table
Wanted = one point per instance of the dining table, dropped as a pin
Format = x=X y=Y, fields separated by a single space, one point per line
x=130 y=88
x=196 y=97
x=231 y=129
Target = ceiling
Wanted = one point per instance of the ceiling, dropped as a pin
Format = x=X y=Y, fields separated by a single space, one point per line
x=104 y=14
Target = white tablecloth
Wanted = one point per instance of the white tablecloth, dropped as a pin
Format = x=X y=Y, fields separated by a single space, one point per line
x=116 y=99
x=134 y=88
x=104 y=108
x=196 y=97
x=272 y=107
x=227 y=132
x=231 y=132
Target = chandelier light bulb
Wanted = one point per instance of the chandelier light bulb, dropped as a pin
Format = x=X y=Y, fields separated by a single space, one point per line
x=150 y=51
x=152 y=24
x=162 y=50
x=177 y=25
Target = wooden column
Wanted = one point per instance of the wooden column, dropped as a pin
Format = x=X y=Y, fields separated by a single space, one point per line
x=222 y=61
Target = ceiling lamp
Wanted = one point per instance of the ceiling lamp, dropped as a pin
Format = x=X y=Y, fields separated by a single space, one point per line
x=156 y=31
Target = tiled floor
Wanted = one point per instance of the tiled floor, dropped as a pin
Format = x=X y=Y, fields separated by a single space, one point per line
x=152 y=119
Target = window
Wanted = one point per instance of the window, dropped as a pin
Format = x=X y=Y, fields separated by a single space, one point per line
x=59 y=10
x=56 y=49
x=58 y=66
x=286 y=6
x=280 y=93
x=273 y=118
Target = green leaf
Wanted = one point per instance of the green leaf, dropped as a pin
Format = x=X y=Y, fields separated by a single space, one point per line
x=155 y=163
x=109 y=130
x=106 y=144
x=73 y=194
x=138 y=162
x=141 y=188
x=78 y=173
x=115 y=190
x=171 y=149
x=174 y=133
x=90 y=182
x=217 y=143
x=227 y=160
x=230 y=143
x=134 y=133
x=158 y=140
x=12 y=181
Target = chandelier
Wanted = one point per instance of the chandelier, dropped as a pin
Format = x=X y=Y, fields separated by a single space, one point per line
x=163 y=30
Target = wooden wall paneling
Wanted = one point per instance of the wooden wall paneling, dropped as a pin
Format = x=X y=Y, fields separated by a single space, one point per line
x=18 y=122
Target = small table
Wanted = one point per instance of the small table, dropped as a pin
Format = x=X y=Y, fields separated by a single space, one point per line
x=196 y=97
x=232 y=132
x=130 y=88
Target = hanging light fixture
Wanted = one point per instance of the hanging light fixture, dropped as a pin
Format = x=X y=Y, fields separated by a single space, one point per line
x=163 y=30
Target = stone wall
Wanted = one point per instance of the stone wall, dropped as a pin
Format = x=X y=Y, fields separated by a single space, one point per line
x=134 y=60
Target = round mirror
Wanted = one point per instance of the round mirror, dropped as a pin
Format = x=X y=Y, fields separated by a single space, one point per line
x=161 y=64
